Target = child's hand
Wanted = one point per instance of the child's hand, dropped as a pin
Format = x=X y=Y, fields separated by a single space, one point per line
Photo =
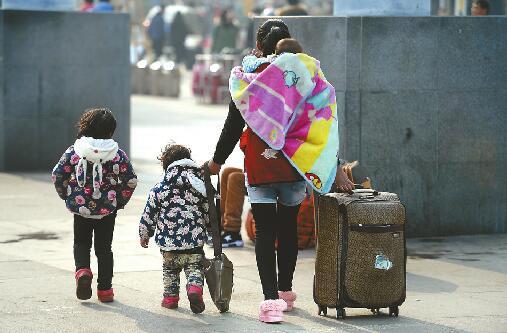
x=144 y=242
x=342 y=181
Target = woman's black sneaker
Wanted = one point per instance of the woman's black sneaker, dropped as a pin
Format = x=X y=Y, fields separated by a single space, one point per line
x=232 y=239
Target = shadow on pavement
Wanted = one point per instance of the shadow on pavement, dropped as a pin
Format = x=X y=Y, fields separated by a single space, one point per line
x=183 y=320
x=374 y=323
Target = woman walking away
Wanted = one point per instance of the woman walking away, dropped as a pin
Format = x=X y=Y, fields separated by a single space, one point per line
x=290 y=111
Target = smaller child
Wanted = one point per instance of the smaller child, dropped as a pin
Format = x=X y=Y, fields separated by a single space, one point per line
x=95 y=178
x=177 y=214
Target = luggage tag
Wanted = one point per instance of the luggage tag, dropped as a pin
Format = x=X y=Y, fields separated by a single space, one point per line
x=383 y=263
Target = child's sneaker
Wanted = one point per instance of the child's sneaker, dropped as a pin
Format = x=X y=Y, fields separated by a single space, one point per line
x=194 y=294
x=271 y=310
x=289 y=297
x=105 y=295
x=84 y=277
x=232 y=239
x=170 y=302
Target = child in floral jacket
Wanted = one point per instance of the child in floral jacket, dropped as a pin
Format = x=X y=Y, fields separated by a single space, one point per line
x=95 y=178
x=177 y=214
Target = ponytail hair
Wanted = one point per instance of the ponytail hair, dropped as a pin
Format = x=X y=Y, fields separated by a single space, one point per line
x=270 y=33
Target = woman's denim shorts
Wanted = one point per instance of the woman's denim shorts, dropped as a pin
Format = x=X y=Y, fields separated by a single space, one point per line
x=288 y=194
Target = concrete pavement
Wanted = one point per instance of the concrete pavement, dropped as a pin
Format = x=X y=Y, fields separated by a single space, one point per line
x=456 y=284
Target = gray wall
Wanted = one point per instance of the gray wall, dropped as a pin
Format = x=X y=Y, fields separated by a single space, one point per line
x=422 y=105
x=53 y=66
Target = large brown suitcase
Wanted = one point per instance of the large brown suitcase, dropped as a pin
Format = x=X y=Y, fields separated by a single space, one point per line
x=361 y=253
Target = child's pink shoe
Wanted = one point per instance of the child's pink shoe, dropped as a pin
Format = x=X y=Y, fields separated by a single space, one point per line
x=289 y=297
x=170 y=302
x=271 y=310
x=84 y=277
x=194 y=294
x=105 y=295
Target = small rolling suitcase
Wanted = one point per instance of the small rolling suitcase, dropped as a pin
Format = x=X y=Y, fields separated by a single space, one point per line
x=361 y=253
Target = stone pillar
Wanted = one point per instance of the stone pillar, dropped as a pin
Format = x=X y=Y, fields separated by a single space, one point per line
x=422 y=106
x=53 y=66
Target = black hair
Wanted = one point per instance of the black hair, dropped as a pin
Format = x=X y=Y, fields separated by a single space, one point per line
x=88 y=1
x=98 y=123
x=293 y=2
x=172 y=153
x=270 y=33
x=484 y=4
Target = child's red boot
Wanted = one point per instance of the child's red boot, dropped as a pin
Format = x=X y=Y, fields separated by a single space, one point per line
x=194 y=294
x=170 y=302
x=105 y=296
x=84 y=277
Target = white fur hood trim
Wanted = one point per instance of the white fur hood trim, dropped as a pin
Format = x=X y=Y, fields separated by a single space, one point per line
x=196 y=183
x=96 y=150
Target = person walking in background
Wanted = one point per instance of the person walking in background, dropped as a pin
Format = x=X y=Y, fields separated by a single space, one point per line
x=250 y=35
x=225 y=34
x=480 y=8
x=95 y=178
x=178 y=34
x=156 y=32
x=177 y=214
x=86 y=5
x=103 y=6
x=293 y=8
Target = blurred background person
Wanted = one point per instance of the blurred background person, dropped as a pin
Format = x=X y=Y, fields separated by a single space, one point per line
x=86 y=5
x=178 y=34
x=156 y=32
x=293 y=8
x=269 y=9
x=250 y=35
x=225 y=34
x=480 y=8
x=103 y=6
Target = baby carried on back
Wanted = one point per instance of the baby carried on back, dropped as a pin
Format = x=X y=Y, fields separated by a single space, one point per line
x=292 y=107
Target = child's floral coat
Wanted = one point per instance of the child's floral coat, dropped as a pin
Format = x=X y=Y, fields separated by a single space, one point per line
x=118 y=184
x=176 y=212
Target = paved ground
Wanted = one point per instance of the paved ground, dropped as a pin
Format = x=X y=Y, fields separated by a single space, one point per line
x=456 y=284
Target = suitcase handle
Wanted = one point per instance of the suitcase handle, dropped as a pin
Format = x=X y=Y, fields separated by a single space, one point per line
x=360 y=190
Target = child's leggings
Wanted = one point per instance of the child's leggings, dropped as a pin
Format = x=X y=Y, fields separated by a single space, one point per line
x=101 y=230
x=174 y=262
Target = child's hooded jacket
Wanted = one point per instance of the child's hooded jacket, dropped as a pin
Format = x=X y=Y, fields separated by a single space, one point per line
x=94 y=177
x=177 y=209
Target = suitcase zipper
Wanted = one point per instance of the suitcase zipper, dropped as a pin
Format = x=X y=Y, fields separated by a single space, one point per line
x=376 y=228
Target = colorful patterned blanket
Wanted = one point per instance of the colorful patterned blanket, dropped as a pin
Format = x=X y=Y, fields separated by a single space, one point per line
x=292 y=107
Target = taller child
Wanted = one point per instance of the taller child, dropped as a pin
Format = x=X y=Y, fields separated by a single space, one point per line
x=95 y=178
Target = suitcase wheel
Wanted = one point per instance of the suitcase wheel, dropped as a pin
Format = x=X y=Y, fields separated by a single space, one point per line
x=340 y=313
x=393 y=311
x=375 y=311
x=323 y=310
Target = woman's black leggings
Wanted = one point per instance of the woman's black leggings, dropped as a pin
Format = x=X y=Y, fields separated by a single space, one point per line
x=275 y=222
